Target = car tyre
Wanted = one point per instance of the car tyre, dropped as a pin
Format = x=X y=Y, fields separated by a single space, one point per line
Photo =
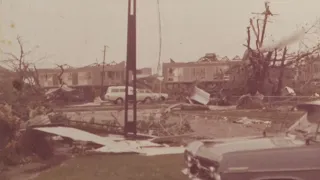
x=119 y=101
x=162 y=98
x=147 y=100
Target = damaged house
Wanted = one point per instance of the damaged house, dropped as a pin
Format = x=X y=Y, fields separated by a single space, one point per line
x=208 y=72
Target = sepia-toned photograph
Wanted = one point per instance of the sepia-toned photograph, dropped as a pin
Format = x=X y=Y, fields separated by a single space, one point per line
x=159 y=90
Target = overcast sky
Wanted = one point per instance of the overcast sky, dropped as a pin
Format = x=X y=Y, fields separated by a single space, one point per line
x=75 y=31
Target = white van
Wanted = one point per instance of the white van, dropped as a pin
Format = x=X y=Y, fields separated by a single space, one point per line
x=116 y=94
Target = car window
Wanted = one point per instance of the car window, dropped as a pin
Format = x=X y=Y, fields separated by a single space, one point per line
x=140 y=90
x=114 y=90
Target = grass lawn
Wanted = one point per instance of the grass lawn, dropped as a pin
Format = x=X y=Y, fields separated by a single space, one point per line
x=118 y=167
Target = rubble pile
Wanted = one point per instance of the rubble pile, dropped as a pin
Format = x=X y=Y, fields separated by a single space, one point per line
x=22 y=109
x=9 y=124
x=64 y=95
x=18 y=144
x=152 y=122
x=164 y=125
x=249 y=101
x=246 y=121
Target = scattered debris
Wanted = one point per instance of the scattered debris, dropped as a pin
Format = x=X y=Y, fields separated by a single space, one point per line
x=64 y=95
x=171 y=139
x=111 y=145
x=36 y=121
x=62 y=88
x=200 y=96
x=160 y=122
x=247 y=121
x=249 y=101
x=162 y=151
x=288 y=91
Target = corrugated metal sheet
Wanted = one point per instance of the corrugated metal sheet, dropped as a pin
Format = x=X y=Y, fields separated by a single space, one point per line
x=75 y=134
x=112 y=144
x=200 y=96
x=162 y=151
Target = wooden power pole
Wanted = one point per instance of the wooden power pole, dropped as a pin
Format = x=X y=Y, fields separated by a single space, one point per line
x=130 y=123
x=103 y=72
x=266 y=14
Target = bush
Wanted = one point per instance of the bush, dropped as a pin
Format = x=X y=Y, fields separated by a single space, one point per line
x=59 y=118
x=16 y=109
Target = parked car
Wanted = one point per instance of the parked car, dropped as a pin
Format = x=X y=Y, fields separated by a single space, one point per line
x=116 y=94
x=293 y=155
x=65 y=95
x=158 y=96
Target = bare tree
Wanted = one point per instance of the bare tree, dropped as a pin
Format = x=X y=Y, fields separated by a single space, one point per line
x=25 y=70
x=260 y=60
x=59 y=76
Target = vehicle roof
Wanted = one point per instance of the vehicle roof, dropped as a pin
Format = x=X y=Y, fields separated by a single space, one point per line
x=309 y=105
x=119 y=86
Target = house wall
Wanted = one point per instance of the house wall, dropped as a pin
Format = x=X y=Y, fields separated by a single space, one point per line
x=85 y=76
x=145 y=71
x=189 y=72
x=310 y=71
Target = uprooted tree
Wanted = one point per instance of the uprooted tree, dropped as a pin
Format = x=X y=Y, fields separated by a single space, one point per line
x=264 y=67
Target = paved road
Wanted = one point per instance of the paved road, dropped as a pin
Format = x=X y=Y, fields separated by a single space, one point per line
x=106 y=107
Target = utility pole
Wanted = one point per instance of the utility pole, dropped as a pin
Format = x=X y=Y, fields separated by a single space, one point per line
x=130 y=123
x=159 y=67
x=266 y=14
x=103 y=72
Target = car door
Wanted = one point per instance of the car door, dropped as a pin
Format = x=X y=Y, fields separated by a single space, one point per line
x=112 y=94
x=140 y=94
x=148 y=94
x=122 y=93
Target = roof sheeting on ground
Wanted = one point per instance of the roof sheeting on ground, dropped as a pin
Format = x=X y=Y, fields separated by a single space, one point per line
x=75 y=134
x=162 y=151
x=112 y=144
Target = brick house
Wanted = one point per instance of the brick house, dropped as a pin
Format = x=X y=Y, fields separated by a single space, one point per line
x=180 y=72
x=84 y=76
